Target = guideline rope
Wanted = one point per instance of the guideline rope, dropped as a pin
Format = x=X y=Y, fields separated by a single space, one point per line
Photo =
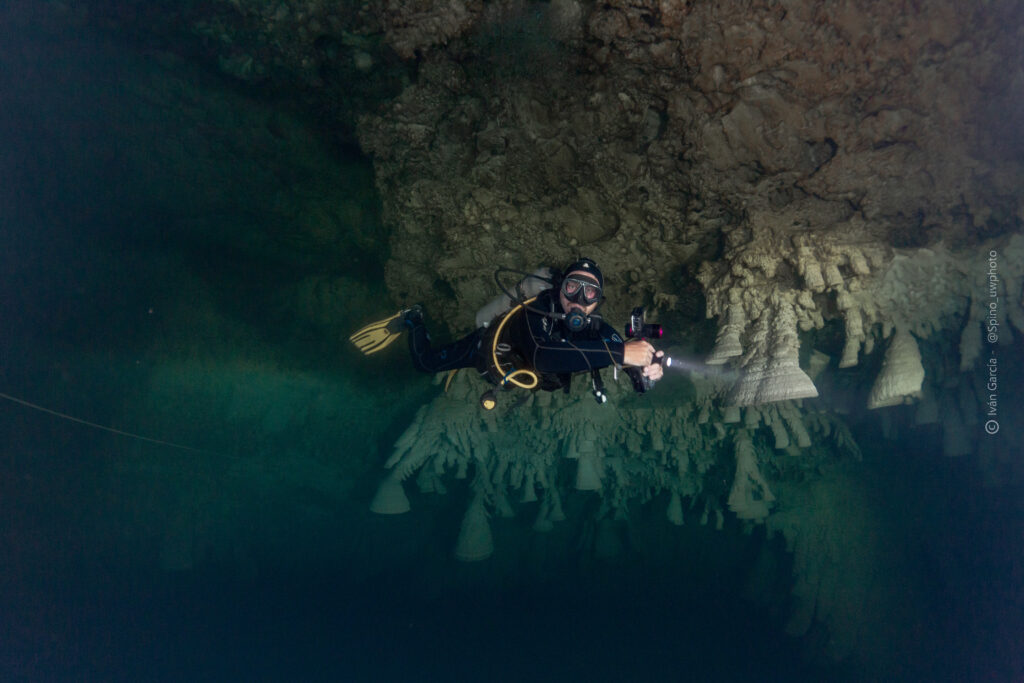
x=72 y=418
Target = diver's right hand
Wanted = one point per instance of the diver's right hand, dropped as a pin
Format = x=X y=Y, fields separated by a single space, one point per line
x=638 y=352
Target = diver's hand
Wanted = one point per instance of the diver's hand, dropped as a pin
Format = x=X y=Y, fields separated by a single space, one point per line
x=655 y=370
x=638 y=352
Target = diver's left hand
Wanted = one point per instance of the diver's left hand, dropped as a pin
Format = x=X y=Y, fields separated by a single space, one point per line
x=655 y=371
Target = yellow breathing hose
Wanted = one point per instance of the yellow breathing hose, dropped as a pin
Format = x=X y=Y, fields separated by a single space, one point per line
x=512 y=376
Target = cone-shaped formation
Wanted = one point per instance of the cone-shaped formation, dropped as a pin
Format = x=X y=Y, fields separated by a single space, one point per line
x=816 y=363
x=675 y=509
x=774 y=421
x=502 y=506
x=794 y=424
x=475 y=541
x=854 y=337
x=750 y=497
x=731 y=414
x=390 y=498
x=901 y=374
x=771 y=371
x=529 y=493
x=727 y=344
x=588 y=472
x=810 y=269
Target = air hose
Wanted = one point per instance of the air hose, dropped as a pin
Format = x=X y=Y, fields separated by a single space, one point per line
x=513 y=375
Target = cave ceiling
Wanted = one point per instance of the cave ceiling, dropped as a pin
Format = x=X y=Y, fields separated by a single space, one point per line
x=734 y=144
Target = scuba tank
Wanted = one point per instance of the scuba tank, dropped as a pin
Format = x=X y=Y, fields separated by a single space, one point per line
x=527 y=288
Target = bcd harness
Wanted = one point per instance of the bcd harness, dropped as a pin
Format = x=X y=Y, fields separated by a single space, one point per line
x=499 y=366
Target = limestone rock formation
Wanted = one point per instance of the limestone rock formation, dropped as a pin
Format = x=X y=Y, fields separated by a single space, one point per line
x=901 y=375
x=475 y=541
x=390 y=498
x=770 y=368
x=750 y=497
x=674 y=512
x=831 y=529
x=685 y=125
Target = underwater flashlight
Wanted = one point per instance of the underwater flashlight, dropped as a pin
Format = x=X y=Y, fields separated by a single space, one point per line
x=639 y=328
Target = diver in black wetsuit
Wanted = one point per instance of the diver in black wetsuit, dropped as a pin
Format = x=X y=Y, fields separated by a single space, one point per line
x=548 y=338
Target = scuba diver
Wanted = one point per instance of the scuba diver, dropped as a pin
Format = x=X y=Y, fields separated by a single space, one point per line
x=539 y=343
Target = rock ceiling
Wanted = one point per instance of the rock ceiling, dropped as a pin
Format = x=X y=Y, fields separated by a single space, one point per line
x=659 y=136
x=653 y=136
x=779 y=166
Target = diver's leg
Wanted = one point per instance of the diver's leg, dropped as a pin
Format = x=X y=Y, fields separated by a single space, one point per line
x=459 y=354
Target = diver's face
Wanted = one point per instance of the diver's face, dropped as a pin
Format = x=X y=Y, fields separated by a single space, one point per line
x=580 y=304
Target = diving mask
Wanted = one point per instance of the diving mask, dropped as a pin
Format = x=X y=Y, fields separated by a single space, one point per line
x=581 y=291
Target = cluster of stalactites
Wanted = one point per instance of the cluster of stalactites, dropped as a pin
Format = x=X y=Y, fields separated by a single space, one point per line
x=770 y=369
x=762 y=308
x=751 y=279
x=902 y=295
x=832 y=535
x=922 y=291
x=925 y=290
x=627 y=457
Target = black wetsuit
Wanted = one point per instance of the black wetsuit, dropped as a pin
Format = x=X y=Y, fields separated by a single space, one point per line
x=539 y=343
